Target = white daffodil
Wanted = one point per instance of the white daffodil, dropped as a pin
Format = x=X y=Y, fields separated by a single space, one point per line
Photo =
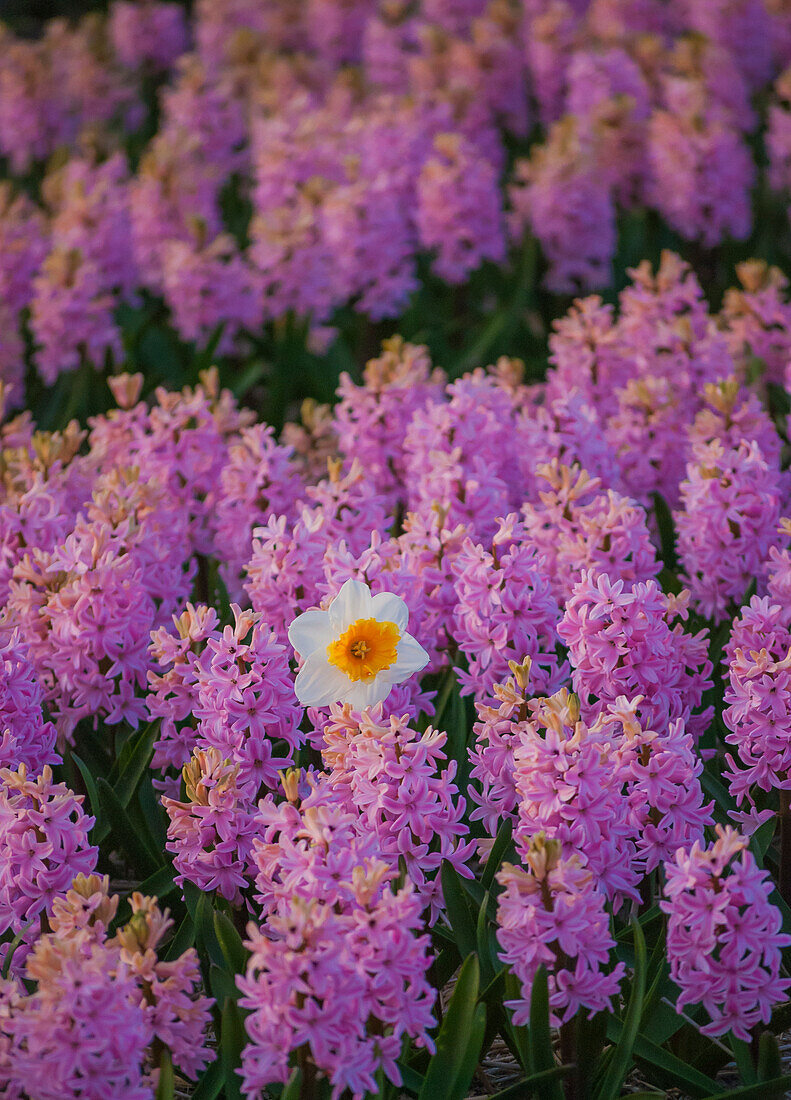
x=356 y=650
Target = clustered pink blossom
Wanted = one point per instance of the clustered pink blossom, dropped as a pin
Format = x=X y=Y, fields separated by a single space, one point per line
x=26 y=737
x=93 y=1008
x=757 y=699
x=506 y=611
x=45 y=844
x=150 y=568
x=341 y=187
x=234 y=686
x=401 y=785
x=731 y=508
x=339 y=963
x=629 y=639
x=211 y=834
x=550 y=913
x=569 y=781
x=148 y=33
x=724 y=941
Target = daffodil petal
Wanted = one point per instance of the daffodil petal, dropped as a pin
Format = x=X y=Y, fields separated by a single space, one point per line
x=411 y=657
x=361 y=694
x=353 y=602
x=319 y=683
x=310 y=631
x=389 y=608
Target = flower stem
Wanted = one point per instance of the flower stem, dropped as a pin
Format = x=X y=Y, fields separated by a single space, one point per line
x=784 y=884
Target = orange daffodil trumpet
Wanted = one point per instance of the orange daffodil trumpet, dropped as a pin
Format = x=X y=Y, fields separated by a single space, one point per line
x=356 y=650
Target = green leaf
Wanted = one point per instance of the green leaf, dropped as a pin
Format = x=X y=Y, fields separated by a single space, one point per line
x=210 y=1085
x=590 y=1041
x=455 y=1035
x=205 y=358
x=541 y=1055
x=223 y=987
x=130 y=840
x=744 y=1060
x=166 y=1086
x=192 y=896
x=762 y=838
x=232 y=1041
x=15 y=942
x=672 y=1069
x=667 y=531
x=502 y=843
x=445 y=963
x=776 y=1087
x=184 y=938
x=134 y=763
x=231 y=945
x=517 y=1035
x=411 y=1080
x=459 y=915
x=204 y=931
x=153 y=813
x=100 y=829
x=472 y=1054
x=293 y=1089
x=621 y=1060
x=482 y=942
x=158 y=885
x=769 y=1061
x=533 y=1085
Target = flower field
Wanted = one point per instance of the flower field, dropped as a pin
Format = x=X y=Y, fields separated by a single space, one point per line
x=395 y=549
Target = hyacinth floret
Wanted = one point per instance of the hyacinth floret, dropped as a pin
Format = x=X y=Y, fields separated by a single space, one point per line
x=338 y=965
x=628 y=639
x=551 y=913
x=724 y=941
x=570 y=778
x=45 y=844
x=211 y=834
x=401 y=784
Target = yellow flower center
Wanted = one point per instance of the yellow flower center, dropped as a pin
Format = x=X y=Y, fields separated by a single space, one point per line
x=365 y=649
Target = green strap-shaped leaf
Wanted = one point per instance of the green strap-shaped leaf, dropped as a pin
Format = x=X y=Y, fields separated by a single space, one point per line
x=517 y=1035
x=204 y=931
x=502 y=843
x=769 y=1061
x=534 y=1085
x=459 y=914
x=130 y=840
x=610 y=1086
x=482 y=943
x=293 y=1089
x=744 y=1060
x=232 y=1041
x=472 y=1055
x=135 y=763
x=231 y=945
x=411 y=1080
x=541 y=1055
x=210 y=1085
x=158 y=885
x=184 y=938
x=222 y=984
x=672 y=1069
x=101 y=828
x=167 y=1085
x=764 y=1089
x=667 y=531
x=15 y=942
x=455 y=1035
